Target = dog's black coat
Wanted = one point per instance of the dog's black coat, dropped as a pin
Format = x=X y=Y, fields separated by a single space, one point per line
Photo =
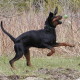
x=44 y=38
x=39 y=38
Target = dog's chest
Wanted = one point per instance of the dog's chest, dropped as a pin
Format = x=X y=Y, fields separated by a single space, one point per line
x=48 y=38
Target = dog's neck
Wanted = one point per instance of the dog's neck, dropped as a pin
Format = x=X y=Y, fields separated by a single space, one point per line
x=49 y=28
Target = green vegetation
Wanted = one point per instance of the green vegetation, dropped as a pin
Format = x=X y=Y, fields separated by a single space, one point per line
x=49 y=62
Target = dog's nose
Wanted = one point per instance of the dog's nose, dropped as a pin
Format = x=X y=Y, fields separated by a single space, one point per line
x=59 y=17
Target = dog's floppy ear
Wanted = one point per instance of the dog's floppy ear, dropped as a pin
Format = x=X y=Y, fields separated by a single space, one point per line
x=50 y=14
x=55 y=11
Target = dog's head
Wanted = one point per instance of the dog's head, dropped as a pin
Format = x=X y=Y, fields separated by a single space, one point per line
x=53 y=20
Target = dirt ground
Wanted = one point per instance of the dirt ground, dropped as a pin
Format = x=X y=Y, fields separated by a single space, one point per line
x=49 y=74
x=60 y=74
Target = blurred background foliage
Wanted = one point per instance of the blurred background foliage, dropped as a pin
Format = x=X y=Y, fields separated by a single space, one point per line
x=38 y=5
x=24 y=15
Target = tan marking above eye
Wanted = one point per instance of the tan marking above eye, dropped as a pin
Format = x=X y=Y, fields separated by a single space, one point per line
x=55 y=19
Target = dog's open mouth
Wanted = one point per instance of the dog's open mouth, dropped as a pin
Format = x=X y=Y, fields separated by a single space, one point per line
x=59 y=20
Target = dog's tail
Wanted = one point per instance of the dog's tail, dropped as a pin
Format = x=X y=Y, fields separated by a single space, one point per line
x=11 y=37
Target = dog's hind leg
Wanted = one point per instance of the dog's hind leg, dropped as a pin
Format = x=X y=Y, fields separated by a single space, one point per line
x=27 y=56
x=19 y=53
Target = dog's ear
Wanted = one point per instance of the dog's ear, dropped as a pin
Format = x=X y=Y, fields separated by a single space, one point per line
x=55 y=11
x=50 y=14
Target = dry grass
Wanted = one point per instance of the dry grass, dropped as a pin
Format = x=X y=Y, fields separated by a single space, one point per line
x=18 y=22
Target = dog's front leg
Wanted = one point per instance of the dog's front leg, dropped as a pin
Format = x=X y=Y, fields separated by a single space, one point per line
x=52 y=51
x=63 y=44
x=51 y=48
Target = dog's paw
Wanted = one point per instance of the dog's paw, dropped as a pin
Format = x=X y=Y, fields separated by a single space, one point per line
x=49 y=54
x=72 y=45
x=29 y=64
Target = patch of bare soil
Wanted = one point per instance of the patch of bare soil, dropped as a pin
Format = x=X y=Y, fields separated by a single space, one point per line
x=49 y=74
x=60 y=74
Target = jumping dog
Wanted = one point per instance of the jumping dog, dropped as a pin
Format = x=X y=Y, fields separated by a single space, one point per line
x=43 y=38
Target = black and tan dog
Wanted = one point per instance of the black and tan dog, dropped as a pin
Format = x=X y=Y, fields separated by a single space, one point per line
x=44 y=38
